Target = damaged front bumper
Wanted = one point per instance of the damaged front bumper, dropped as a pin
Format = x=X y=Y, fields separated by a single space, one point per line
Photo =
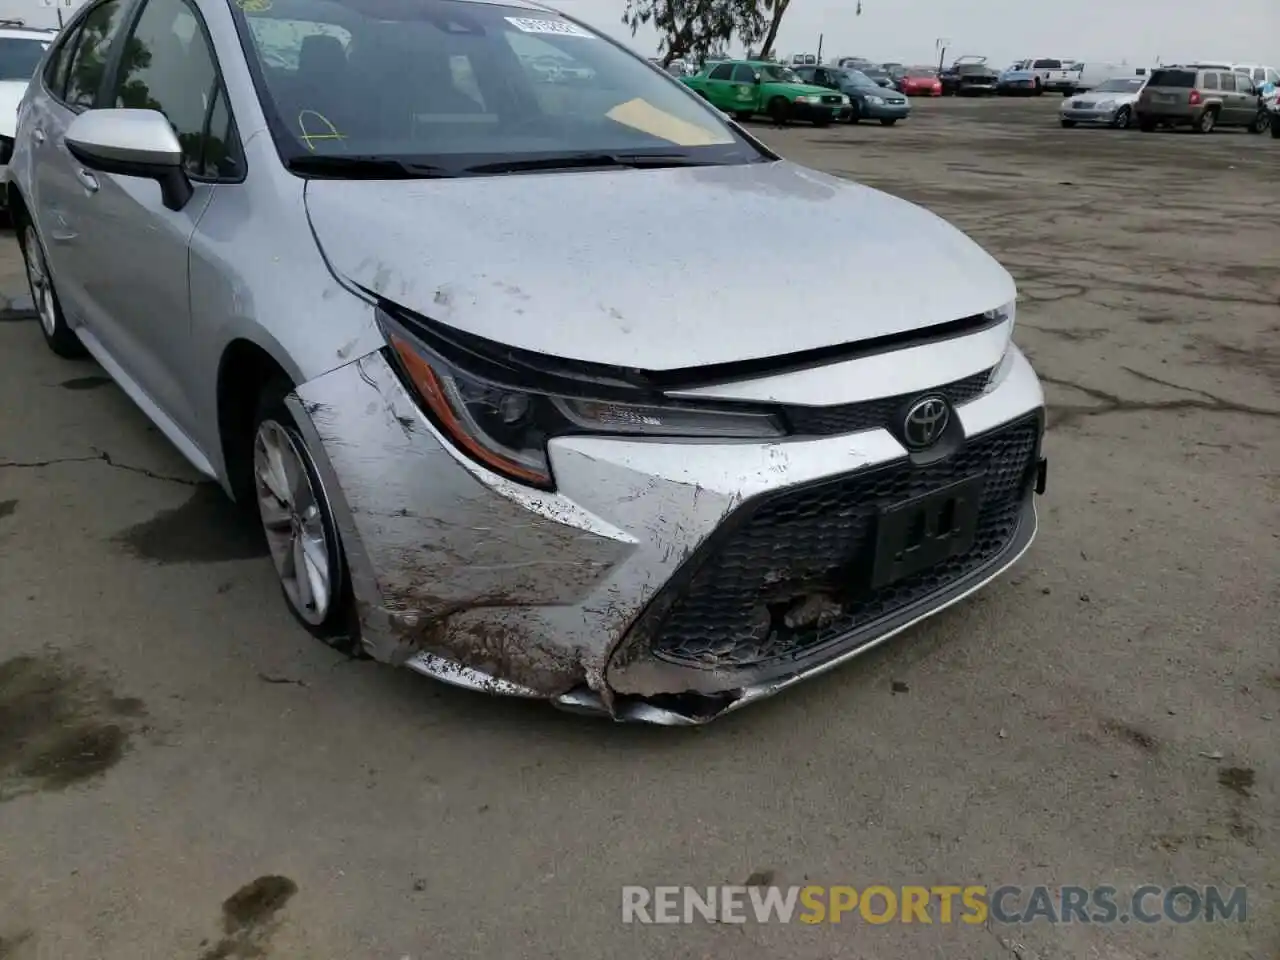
x=566 y=596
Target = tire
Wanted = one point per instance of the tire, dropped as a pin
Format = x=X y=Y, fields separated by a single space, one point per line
x=780 y=110
x=1068 y=123
x=302 y=518
x=1275 y=129
x=1039 y=91
x=1123 y=119
x=1146 y=124
x=1068 y=92
x=1208 y=120
x=59 y=337
x=888 y=121
x=1261 y=122
x=855 y=113
x=822 y=123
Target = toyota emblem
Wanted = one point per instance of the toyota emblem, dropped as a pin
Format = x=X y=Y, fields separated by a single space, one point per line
x=925 y=422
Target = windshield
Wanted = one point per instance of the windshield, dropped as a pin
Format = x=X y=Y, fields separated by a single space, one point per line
x=1120 y=86
x=859 y=79
x=452 y=84
x=19 y=57
x=780 y=74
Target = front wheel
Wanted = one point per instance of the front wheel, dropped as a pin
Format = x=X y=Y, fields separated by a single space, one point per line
x=1208 y=120
x=1146 y=124
x=854 y=114
x=298 y=524
x=888 y=121
x=780 y=110
x=822 y=123
x=59 y=337
x=1068 y=123
x=1275 y=129
x=1123 y=118
x=1261 y=122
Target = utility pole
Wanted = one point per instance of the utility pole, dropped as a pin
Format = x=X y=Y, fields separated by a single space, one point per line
x=941 y=45
x=820 y=47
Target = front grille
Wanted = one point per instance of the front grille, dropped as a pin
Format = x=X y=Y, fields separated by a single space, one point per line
x=871 y=414
x=831 y=99
x=818 y=541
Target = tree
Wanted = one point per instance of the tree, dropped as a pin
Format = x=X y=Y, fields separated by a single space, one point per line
x=776 y=10
x=699 y=28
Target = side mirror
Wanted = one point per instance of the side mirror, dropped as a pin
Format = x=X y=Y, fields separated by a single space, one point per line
x=756 y=78
x=132 y=143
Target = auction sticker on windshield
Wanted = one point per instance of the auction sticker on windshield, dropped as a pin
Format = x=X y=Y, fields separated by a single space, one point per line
x=559 y=27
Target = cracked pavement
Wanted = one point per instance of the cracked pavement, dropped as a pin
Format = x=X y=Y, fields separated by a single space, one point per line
x=185 y=774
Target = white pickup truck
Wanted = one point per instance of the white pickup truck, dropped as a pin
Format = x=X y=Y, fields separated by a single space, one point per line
x=1037 y=75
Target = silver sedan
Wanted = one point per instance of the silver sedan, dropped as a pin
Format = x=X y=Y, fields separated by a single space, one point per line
x=1110 y=103
x=330 y=248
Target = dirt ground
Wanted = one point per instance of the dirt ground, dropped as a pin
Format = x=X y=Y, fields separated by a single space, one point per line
x=184 y=775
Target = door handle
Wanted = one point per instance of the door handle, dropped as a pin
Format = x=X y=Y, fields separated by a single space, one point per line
x=87 y=179
x=37 y=135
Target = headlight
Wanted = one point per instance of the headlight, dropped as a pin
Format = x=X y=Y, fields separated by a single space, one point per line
x=806 y=99
x=506 y=427
x=875 y=100
x=845 y=101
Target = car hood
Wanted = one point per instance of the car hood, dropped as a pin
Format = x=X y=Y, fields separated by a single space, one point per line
x=11 y=92
x=591 y=266
x=1119 y=99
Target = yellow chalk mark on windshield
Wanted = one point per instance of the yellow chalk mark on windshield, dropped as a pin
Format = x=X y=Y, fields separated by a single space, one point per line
x=644 y=116
x=308 y=137
x=254 y=6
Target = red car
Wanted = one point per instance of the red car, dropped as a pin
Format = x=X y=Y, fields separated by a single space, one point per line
x=920 y=83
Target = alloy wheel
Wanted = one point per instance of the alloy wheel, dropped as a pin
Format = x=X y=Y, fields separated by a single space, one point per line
x=38 y=278
x=293 y=522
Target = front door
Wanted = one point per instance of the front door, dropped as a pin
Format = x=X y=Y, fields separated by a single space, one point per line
x=142 y=246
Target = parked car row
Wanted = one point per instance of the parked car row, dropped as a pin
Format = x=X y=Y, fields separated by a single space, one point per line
x=1193 y=95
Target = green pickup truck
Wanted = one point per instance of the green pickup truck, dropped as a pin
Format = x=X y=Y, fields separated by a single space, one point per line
x=745 y=88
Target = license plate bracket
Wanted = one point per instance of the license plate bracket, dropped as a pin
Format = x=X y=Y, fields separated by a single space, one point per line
x=919 y=533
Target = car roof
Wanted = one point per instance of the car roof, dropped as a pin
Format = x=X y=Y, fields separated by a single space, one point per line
x=16 y=30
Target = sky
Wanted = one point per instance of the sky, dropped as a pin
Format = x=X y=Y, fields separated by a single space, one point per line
x=1109 y=31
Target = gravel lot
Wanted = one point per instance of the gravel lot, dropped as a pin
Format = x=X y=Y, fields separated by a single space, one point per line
x=1108 y=714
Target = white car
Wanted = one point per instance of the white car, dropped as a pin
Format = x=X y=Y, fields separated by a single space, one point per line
x=20 y=53
x=1112 y=103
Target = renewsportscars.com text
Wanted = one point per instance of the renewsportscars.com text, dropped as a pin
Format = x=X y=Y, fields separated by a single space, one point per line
x=943 y=904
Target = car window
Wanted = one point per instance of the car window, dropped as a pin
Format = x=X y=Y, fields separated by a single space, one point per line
x=166 y=65
x=1230 y=81
x=1259 y=75
x=1047 y=65
x=743 y=74
x=55 y=71
x=1173 y=78
x=20 y=56
x=98 y=31
x=1210 y=82
x=459 y=84
x=1244 y=84
x=1273 y=76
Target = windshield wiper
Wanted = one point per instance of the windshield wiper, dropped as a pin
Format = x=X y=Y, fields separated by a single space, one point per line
x=571 y=161
x=356 y=167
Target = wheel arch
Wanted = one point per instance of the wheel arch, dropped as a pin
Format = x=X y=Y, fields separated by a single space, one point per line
x=245 y=368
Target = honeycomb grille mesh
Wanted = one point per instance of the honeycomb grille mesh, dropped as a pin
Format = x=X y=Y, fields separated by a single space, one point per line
x=820 y=540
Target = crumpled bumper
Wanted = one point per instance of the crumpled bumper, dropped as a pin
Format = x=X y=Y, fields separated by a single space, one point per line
x=487 y=584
